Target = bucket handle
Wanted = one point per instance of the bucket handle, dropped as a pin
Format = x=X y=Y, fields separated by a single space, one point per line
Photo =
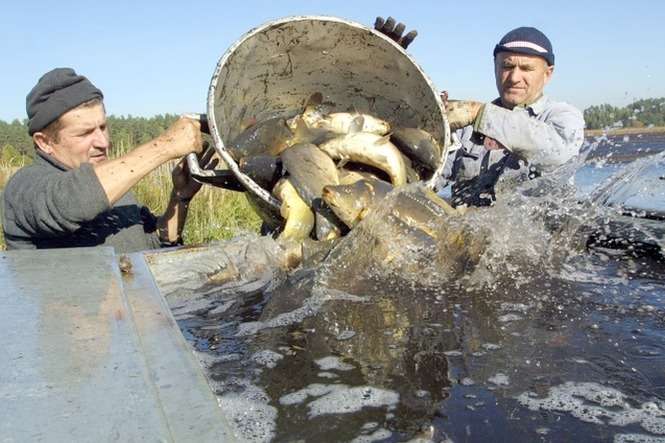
x=245 y=180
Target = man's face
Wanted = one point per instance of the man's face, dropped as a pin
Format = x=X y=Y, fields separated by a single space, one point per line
x=83 y=137
x=520 y=78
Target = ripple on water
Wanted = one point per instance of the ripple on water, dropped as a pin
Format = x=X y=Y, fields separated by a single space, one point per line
x=645 y=350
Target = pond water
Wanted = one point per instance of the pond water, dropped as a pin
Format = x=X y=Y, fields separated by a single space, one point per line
x=544 y=339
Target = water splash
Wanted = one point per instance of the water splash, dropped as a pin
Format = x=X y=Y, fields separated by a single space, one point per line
x=457 y=311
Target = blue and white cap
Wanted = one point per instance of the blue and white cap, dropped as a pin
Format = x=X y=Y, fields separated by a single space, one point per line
x=526 y=40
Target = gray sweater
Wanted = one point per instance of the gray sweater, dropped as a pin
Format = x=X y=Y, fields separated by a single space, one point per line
x=47 y=205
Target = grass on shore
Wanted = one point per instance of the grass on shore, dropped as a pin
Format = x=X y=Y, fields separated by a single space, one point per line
x=214 y=214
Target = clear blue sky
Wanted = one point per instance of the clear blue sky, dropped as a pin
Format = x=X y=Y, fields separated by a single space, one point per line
x=152 y=57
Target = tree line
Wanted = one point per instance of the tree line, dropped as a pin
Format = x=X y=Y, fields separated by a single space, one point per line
x=639 y=114
x=129 y=131
x=126 y=132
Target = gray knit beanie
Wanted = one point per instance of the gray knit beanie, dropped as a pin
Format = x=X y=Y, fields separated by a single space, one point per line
x=57 y=92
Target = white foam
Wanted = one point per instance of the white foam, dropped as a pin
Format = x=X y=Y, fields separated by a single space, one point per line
x=333 y=363
x=267 y=358
x=506 y=318
x=515 y=307
x=345 y=335
x=500 y=379
x=637 y=438
x=378 y=435
x=313 y=390
x=327 y=375
x=251 y=416
x=594 y=403
x=221 y=308
x=344 y=400
x=208 y=359
x=309 y=308
x=370 y=426
x=340 y=399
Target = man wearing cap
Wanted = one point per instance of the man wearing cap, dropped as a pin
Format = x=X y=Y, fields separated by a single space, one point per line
x=73 y=195
x=523 y=130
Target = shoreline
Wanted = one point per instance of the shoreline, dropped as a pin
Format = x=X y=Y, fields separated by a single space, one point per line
x=624 y=131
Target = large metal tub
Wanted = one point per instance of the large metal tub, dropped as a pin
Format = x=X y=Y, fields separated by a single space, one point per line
x=272 y=70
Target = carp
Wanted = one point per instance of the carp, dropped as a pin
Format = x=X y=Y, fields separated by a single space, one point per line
x=370 y=149
x=298 y=215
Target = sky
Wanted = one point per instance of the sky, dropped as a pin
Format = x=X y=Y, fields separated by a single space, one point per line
x=153 y=57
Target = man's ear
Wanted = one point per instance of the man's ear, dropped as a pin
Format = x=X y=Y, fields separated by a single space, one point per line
x=43 y=142
x=548 y=74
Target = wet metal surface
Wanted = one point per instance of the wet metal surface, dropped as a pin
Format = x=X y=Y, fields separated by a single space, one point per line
x=88 y=356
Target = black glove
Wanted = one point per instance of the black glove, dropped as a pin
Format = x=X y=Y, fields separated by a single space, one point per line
x=393 y=31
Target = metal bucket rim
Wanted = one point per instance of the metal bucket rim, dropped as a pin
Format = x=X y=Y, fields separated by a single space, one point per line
x=218 y=143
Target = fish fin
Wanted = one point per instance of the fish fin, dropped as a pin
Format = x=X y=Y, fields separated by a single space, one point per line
x=362 y=214
x=312 y=103
x=447 y=208
x=357 y=124
x=342 y=162
x=301 y=131
x=383 y=140
x=314 y=100
x=310 y=108
x=332 y=235
x=372 y=104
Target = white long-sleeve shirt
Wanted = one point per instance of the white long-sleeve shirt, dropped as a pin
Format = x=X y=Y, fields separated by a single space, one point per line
x=542 y=135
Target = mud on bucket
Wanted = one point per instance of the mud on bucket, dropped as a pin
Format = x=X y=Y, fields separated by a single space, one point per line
x=272 y=71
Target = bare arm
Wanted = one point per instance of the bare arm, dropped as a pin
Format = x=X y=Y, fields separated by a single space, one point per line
x=117 y=176
x=172 y=222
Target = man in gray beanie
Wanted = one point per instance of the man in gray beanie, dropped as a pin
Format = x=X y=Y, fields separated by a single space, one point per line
x=523 y=130
x=73 y=195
